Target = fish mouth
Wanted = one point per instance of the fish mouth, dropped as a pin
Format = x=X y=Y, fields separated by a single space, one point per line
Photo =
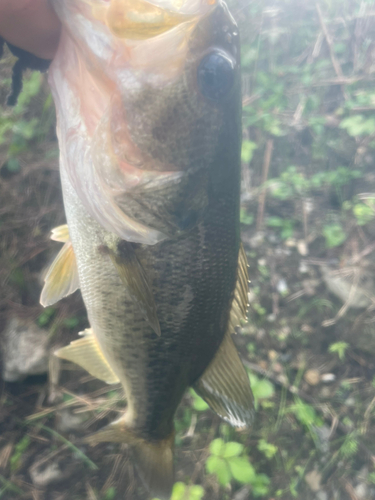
x=142 y=19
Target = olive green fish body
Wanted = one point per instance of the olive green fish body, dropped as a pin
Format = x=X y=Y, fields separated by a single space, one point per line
x=149 y=127
x=193 y=278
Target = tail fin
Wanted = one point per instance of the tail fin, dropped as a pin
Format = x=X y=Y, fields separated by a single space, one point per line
x=155 y=465
x=154 y=459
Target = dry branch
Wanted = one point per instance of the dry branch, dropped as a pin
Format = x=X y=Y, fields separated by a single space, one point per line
x=262 y=196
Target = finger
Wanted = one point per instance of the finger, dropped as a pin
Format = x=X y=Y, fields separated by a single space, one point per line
x=31 y=25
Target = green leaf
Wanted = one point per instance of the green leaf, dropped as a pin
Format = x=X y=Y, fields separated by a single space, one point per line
x=232 y=449
x=306 y=414
x=262 y=388
x=46 y=316
x=183 y=492
x=339 y=348
x=363 y=213
x=334 y=235
x=13 y=165
x=199 y=404
x=19 y=450
x=248 y=148
x=178 y=491
x=219 y=467
x=246 y=218
x=217 y=447
x=274 y=221
x=196 y=492
x=110 y=494
x=269 y=450
x=350 y=446
x=71 y=322
x=260 y=485
x=242 y=470
x=358 y=125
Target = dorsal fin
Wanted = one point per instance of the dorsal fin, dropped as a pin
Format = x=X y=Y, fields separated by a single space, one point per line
x=62 y=277
x=240 y=302
x=86 y=353
x=136 y=281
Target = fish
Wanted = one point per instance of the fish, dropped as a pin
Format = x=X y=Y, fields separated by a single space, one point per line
x=148 y=105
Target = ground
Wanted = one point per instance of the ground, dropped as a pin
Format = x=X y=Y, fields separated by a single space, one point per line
x=308 y=229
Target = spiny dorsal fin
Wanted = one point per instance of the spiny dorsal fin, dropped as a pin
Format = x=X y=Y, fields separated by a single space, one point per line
x=240 y=300
x=60 y=233
x=86 y=353
x=225 y=386
x=135 y=279
x=62 y=277
x=154 y=459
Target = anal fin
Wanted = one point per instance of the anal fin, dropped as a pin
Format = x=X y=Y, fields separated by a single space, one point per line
x=225 y=386
x=154 y=459
x=86 y=353
x=135 y=279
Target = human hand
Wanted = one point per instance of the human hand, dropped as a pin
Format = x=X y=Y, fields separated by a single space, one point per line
x=31 y=25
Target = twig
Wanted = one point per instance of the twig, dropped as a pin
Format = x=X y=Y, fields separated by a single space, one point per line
x=91 y=495
x=345 y=307
x=71 y=446
x=317 y=46
x=247 y=100
x=299 y=111
x=262 y=196
x=350 y=490
x=334 y=61
x=356 y=258
x=328 y=38
x=205 y=453
x=111 y=478
x=366 y=416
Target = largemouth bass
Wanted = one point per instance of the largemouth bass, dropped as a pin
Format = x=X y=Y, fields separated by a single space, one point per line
x=148 y=103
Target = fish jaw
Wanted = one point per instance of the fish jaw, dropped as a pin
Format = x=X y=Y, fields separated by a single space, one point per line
x=115 y=99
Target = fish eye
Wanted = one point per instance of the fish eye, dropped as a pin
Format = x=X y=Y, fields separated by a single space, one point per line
x=215 y=75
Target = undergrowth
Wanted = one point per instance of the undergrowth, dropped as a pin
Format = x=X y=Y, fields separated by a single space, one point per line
x=307 y=213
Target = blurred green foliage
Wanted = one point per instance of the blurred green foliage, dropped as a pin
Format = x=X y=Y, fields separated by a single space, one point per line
x=20 y=126
x=314 y=97
x=181 y=491
x=19 y=450
x=228 y=461
x=339 y=348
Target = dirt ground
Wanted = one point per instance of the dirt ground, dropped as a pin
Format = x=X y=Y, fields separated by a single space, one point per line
x=309 y=344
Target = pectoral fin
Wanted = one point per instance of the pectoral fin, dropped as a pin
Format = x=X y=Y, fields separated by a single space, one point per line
x=240 y=300
x=154 y=459
x=62 y=277
x=60 y=233
x=225 y=386
x=136 y=281
x=86 y=353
